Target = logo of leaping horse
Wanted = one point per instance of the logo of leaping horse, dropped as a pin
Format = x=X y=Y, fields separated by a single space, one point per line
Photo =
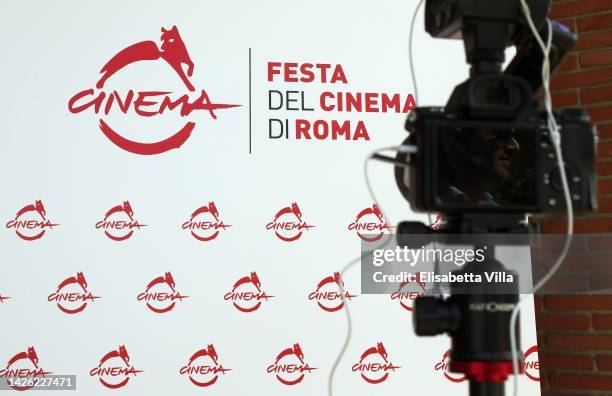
x=29 y=355
x=121 y=353
x=279 y=226
x=172 y=50
x=60 y=298
x=302 y=367
x=237 y=297
x=337 y=294
x=192 y=367
x=366 y=230
x=42 y=224
x=193 y=224
x=147 y=103
x=108 y=224
x=386 y=366
x=151 y=297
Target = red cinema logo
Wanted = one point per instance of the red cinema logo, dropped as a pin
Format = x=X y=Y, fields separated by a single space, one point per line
x=370 y=224
x=407 y=293
x=288 y=224
x=246 y=294
x=72 y=295
x=289 y=366
x=119 y=223
x=204 y=368
x=443 y=366
x=531 y=364
x=374 y=365
x=205 y=223
x=23 y=364
x=30 y=223
x=328 y=295
x=114 y=370
x=161 y=295
x=147 y=104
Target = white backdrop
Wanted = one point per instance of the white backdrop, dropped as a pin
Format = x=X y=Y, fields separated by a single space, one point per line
x=54 y=49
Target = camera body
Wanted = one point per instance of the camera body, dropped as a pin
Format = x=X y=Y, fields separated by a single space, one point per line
x=532 y=183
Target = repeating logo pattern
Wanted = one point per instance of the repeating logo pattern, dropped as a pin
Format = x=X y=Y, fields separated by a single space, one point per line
x=204 y=368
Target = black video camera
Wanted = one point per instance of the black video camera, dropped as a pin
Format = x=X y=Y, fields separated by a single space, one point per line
x=489 y=149
x=484 y=161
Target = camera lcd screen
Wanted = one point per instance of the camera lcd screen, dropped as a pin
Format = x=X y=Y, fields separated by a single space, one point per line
x=488 y=168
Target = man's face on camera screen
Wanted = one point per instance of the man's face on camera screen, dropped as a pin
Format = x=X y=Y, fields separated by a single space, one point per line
x=485 y=166
x=499 y=148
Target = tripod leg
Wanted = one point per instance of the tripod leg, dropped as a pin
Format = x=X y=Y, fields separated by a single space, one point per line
x=487 y=388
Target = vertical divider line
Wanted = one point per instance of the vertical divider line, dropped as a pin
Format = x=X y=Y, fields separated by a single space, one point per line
x=250 y=123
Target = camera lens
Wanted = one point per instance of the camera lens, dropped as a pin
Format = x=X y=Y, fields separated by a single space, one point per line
x=433 y=316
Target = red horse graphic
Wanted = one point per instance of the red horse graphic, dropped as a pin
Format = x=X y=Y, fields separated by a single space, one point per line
x=120 y=353
x=296 y=350
x=169 y=279
x=30 y=355
x=172 y=50
x=38 y=205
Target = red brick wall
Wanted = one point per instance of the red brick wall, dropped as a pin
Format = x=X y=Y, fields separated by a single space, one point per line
x=575 y=332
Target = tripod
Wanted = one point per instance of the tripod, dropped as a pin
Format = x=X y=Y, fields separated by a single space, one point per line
x=476 y=316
